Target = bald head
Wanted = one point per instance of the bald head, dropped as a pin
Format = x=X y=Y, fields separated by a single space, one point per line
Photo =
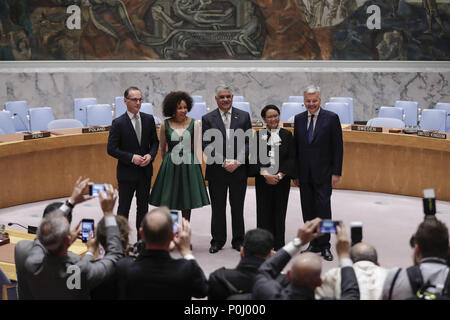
x=305 y=271
x=157 y=227
x=363 y=252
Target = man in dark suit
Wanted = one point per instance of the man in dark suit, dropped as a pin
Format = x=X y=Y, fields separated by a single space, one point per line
x=155 y=275
x=227 y=159
x=133 y=141
x=257 y=247
x=304 y=274
x=318 y=137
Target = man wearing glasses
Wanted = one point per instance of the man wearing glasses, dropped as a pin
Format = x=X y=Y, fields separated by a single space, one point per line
x=134 y=143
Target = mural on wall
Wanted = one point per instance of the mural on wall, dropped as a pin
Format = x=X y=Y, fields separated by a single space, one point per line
x=225 y=29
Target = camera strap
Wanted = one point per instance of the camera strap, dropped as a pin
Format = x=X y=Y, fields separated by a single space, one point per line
x=393 y=283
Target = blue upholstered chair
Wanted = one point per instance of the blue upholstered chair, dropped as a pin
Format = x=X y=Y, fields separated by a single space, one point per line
x=64 y=124
x=342 y=109
x=391 y=112
x=386 y=122
x=348 y=100
x=245 y=106
x=238 y=99
x=119 y=107
x=198 y=111
x=40 y=117
x=197 y=98
x=19 y=112
x=98 y=115
x=446 y=107
x=411 y=110
x=433 y=119
x=79 y=108
x=6 y=122
x=289 y=109
x=8 y=289
x=147 y=107
x=295 y=99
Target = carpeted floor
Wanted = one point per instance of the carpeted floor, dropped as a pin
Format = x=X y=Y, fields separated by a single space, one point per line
x=388 y=222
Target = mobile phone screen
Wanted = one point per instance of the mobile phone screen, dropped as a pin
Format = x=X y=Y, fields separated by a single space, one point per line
x=174 y=215
x=328 y=226
x=87 y=226
x=94 y=189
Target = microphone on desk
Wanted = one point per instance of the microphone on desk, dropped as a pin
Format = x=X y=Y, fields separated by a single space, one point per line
x=31 y=229
x=21 y=120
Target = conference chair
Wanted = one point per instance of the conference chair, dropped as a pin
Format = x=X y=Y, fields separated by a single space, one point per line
x=6 y=122
x=64 y=124
x=197 y=98
x=40 y=118
x=19 y=112
x=238 y=99
x=348 y=100
x=98 y=115
x=147 y=107
x=198 y=111
x=342 y=109
x=296 y=99
x=289 y=109
x=445 y=106
x=391 y=112
x=79 y=108
x=411 y=110
x=8 y=289
x=386 y=122
x=119 y=107
x=245 y=106
x=2 y=132
x=433 y=119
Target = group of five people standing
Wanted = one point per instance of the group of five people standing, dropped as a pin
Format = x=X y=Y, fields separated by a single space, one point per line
x=312 y=157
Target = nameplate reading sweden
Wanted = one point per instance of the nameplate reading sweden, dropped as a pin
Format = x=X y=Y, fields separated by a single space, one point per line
x=367 y=128
x=95 y=129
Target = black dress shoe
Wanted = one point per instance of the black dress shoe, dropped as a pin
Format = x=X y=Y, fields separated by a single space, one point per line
x=214 y=249
x=311 y=248
x=326 y=254
x=237 y=247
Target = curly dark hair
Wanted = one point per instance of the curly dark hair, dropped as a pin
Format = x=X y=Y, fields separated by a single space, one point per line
x=171 y=101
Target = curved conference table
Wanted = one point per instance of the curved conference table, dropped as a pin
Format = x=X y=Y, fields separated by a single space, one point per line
x=47 y=168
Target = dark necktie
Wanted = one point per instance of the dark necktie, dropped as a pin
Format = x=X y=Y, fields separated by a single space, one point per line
x=310 y=132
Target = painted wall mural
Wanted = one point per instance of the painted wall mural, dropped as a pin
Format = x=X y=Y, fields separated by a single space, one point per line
x=225 y=29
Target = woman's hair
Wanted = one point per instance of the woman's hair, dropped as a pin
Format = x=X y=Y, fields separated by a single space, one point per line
x=171 y=101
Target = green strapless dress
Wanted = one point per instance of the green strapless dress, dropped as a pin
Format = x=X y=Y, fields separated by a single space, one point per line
x=179 y=186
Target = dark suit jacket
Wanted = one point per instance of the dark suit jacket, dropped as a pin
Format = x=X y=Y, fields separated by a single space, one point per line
x=239 y=120
x=155 y=275
x=286 y=155
x=268 y=288
x=323 y=157
x=123 y=144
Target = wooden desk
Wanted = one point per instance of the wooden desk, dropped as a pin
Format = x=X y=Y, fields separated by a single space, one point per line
x=47 y=168
x=7 y=251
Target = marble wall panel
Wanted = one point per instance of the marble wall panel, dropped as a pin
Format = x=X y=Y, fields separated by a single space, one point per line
x=370 y=90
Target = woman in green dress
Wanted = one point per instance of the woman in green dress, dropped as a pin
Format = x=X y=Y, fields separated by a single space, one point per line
x=179 y=184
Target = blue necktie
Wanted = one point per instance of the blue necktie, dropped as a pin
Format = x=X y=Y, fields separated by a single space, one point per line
x=310 y=132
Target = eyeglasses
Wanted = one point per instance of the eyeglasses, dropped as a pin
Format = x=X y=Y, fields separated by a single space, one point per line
x=135 y=99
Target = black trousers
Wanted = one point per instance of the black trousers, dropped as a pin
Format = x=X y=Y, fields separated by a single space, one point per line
x=271 y=207
x=316 y=202
x=126 y=193
x=218 y=189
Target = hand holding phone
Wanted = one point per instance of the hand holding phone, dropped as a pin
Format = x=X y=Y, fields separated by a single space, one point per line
x=329 y=226
x=87 y=226
x=94 y=189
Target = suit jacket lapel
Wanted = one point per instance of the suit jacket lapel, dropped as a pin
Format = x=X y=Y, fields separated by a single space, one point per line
x=219 y=122
x=319 y=124
x=130 y=127
x=234 y=119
